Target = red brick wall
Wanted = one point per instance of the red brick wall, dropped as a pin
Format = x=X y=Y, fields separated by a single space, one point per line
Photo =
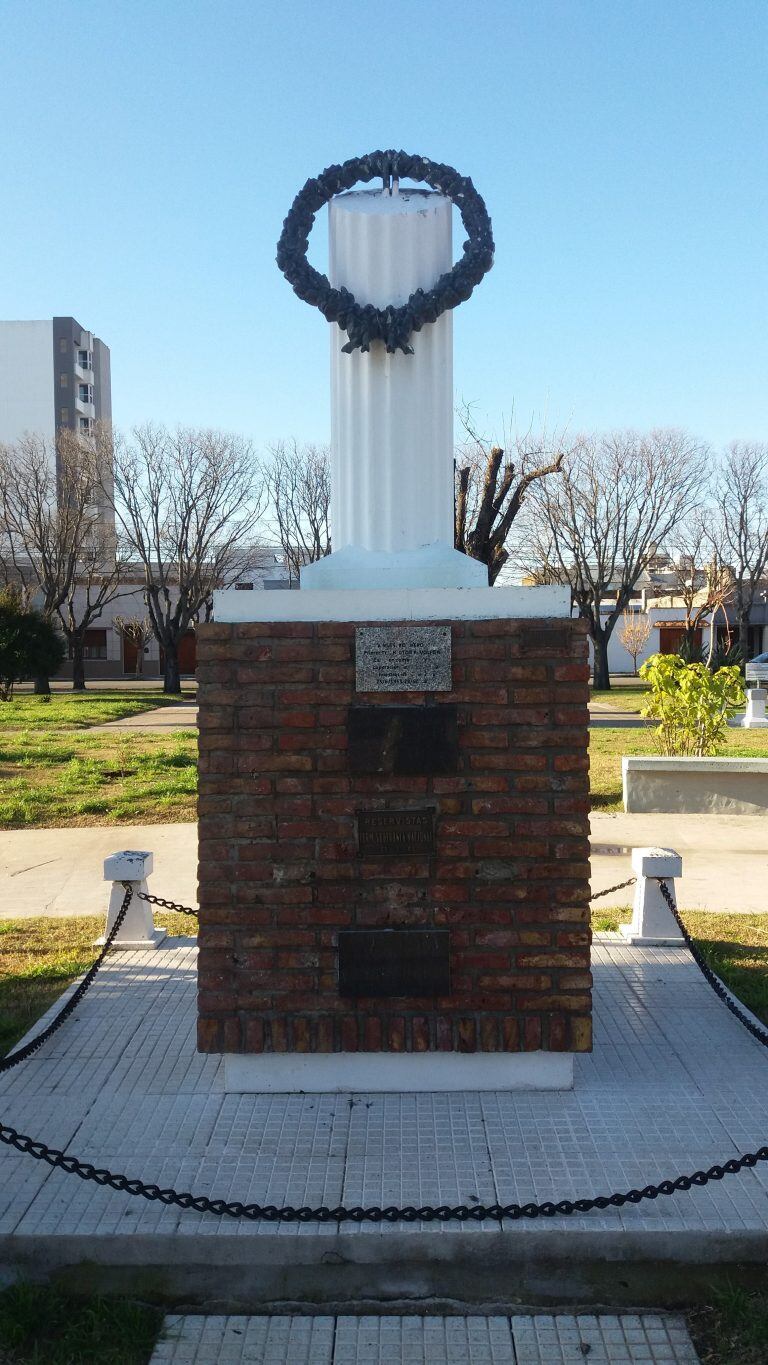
x=279 y=872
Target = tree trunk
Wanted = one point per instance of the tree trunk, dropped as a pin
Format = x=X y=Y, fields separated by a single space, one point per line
x=42 y=687
x=601 y=677
x=172 y=678
x=744 y=635
x=78 y=666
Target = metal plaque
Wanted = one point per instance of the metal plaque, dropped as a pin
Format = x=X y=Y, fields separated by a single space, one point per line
x=403 y=659
x=403 y=741
x=396 y=833
x=546 y=639
x=394 y=962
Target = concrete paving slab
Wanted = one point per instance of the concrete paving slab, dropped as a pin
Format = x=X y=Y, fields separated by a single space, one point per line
x=725 y=857
x=540 y=1339
x=59 y=871
x=674 y=1085
x=159 y=720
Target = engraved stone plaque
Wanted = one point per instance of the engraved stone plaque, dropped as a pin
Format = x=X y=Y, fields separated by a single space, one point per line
x=403 y=659
x=394 y=962
x=395 y=833
x=403 y=740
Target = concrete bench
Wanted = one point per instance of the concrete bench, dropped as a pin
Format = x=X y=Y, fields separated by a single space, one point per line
x=707 y=786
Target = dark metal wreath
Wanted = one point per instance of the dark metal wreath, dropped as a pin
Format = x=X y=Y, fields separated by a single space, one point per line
x=364 y=323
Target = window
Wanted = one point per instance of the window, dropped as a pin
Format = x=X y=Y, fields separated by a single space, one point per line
x=63 y=381
x=244 y=587
x=94 y=646
x=85 y=423
x=63 y=345
x=85 y=393
x=82 y=360
x=64 y=416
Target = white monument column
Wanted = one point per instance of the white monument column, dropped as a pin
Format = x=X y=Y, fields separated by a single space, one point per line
x=392 y=414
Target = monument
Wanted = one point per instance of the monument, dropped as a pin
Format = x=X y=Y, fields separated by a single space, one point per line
x=394 y=876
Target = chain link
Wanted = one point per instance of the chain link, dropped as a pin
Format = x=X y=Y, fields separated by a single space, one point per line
x=166 y=905
x=410 y=1213
x=610 y=889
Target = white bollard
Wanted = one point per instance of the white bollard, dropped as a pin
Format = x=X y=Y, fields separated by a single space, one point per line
x=755 y=718
x=653 y=924
x=137 y=929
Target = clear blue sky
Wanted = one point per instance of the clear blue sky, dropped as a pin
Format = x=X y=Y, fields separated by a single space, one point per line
x=153 y=147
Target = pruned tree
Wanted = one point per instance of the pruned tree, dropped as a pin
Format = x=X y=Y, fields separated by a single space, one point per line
x=742 y=518
x=186 y=501
x=491 y=488
x=601 y=523
x=137 y=630
x=697 y=576
x=298 y=485
x=56 y=540
x=634 y=633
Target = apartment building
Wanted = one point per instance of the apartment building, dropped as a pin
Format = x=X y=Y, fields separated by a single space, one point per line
x=53 y=373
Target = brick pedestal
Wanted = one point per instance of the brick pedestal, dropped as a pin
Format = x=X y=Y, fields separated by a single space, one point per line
x=281 y=874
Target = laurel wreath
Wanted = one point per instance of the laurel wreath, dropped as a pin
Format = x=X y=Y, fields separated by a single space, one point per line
x=364 y=323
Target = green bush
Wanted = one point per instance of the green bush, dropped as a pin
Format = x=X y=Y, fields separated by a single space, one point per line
x=691 y=703
x=29 y=645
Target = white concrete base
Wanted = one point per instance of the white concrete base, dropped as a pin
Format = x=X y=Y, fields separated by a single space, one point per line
x=394 y=604
x=755 y=717
x=653 y=924
x=433 y=566
x=696 y=786
x=131 y=944
x=273 y=1073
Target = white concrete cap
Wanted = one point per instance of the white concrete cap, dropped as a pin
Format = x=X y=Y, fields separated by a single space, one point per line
x=656 y=862
x=431 y=566
x=396 y=604
x=131 y=865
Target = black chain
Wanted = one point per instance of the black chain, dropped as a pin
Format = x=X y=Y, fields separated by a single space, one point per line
x=411 y=1213
x=21 y=1054
x=167 y=905
x=701 y=962
x=609 y=889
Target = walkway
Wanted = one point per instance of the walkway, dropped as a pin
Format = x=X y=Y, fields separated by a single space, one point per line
x=519 y=1340
x=58 y=871
x=674 y=1085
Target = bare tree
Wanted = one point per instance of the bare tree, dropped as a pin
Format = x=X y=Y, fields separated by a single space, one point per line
x=491 y=487
x=138 y=631
x=298 y=483
x=600 y=524
x=57 y=543
x=186 y=501
x=742 y=507
x=697 y=575
x=634 y=633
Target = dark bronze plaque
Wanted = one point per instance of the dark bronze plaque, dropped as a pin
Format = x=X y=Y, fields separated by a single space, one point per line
x=394 y=962
x=534 y=639
x=403 y=740
x=395 y=832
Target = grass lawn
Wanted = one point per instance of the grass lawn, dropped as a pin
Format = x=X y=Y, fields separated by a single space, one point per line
x=733 y=1329
x=43 y=1325
x=39 y=958
x=628 y=698
x=606 y=747
x=76 y=710
x=52 y=778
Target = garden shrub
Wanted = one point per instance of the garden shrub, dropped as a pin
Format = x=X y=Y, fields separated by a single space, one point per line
x=691 y=703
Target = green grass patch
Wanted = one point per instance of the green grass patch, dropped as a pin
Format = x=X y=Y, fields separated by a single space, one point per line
x=733 y=1329
x=606 y=747
x=77 y=710
x=43 y=1325
x=56 y=779
x=628 y=698
x=41 y=957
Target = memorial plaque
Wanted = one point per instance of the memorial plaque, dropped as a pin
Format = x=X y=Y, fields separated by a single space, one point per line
x=403 y=740
x=395 y=833
x=534 y=639
x=403 y=659
x=394 y=962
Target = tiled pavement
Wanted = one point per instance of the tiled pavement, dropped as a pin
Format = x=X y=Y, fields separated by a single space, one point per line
x=674 y=1084
x=387 y=1340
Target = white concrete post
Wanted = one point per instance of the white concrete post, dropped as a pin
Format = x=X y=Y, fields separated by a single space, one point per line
x=392 y=415
x=755 y=718
x=653 y=924
x=137 y=929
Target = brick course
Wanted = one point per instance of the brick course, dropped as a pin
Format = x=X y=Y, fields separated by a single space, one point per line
x=280 y=873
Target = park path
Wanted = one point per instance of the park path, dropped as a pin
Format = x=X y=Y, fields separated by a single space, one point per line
x=59 y=871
